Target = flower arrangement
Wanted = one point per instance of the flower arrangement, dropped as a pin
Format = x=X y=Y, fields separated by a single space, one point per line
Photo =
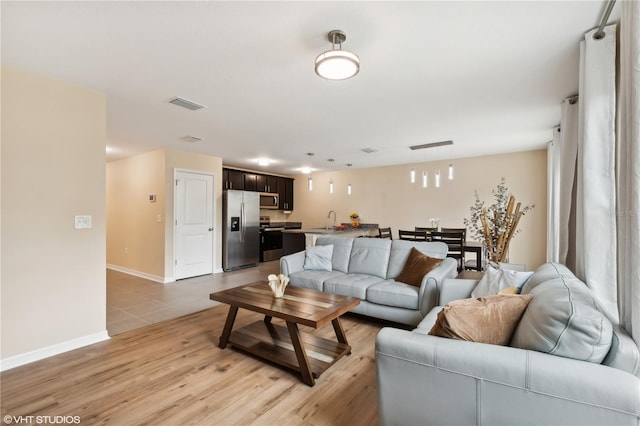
x=497 y=224
x=355 y=220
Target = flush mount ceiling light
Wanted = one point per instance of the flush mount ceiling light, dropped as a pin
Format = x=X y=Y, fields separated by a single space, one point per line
x=337 y=64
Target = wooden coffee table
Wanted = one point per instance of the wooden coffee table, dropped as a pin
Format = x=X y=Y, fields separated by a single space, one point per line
x=304 y=352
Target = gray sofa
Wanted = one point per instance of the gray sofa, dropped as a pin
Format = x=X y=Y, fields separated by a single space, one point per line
x=584 y=369
x=366 y=267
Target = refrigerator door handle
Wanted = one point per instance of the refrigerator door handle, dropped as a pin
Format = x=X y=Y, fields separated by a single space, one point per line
x=243 y=222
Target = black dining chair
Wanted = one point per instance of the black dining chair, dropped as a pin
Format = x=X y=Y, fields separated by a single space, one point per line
x=412 y=235
x=455 y=242
x=427 y=230
x=385 y=233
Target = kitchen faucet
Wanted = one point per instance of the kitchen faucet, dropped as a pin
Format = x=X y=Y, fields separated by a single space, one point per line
x=334 y=218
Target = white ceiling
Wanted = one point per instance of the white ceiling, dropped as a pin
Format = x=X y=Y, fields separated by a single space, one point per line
x=488 y=75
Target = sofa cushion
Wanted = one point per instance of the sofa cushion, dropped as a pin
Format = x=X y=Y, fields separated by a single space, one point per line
x=400 y=250
x=341 y=251
x=318 y=258
x=354 y=285
x=394 y=293
x=496 y=279
x=312 y=279
x=546 y=272
x=563 y=319
x=370 y=256
x=416 y=267
x=490 y=319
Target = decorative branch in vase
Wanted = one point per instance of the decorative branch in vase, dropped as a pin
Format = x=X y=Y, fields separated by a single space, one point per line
x=496 y=225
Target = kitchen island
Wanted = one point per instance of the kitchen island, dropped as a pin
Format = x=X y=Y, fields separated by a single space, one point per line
x=295 y=240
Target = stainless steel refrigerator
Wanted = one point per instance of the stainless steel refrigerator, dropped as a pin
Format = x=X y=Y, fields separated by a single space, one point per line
x=241 y=231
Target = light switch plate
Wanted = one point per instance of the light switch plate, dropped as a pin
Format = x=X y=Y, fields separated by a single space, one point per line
x=83 y=222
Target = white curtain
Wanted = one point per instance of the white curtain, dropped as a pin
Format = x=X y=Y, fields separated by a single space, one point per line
x=562 y=153
x=628 y=171
x=595 y=239
x=604 y=210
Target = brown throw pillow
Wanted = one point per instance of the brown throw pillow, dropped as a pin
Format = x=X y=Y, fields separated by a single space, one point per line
x=491 y=319
x=416 y=267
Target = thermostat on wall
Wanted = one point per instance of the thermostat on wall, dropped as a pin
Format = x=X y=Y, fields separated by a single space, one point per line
x=152 y=198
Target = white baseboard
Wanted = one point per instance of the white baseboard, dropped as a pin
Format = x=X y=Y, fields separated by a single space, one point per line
x=46 y=352
x=151 y=277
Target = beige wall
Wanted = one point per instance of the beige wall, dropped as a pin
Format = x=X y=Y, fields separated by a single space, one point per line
x=384 y=195
x=140 y=233
x=135 y=237
x=53 y=155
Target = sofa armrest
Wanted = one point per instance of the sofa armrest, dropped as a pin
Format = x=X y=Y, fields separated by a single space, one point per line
x=292 y=263
x=430 y=287
x=426 y=379
x=455 y=289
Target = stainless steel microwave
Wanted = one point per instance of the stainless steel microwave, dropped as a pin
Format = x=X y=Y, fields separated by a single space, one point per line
x=269 y=200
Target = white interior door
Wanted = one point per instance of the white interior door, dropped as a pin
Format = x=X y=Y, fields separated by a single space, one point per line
x=194 y=198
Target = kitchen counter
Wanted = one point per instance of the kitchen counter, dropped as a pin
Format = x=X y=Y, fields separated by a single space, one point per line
x=295 y=240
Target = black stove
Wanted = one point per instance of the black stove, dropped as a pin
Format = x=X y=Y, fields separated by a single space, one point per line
x=271 y=237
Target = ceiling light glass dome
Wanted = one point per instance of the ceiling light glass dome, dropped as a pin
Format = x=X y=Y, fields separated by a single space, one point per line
x=337 y=64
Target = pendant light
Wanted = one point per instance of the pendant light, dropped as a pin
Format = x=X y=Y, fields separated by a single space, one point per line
x=337 y=64
x=438 y=179
x=425 y=181
x=331 y=186
x=412 y=175
x=310 y=183
x=349 y=184
x=450 y=174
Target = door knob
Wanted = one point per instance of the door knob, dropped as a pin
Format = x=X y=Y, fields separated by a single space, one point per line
x=210 y=229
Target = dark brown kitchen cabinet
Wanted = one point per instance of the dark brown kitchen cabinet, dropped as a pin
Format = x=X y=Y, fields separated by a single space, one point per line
x=285 y=193
x=233 y=179
x=267 y=183
x=250 y=182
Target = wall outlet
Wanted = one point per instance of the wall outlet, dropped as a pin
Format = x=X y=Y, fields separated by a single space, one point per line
x=83 y=222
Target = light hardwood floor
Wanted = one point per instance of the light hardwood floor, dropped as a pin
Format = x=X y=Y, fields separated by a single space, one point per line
x=134 y=302
x=173 y=373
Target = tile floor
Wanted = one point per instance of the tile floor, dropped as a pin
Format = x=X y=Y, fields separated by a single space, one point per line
x=133 y=302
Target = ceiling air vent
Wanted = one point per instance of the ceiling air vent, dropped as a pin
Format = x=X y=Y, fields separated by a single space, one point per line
x=184 y=103
x=369 y=150
x=191 y=139
x=431 y=145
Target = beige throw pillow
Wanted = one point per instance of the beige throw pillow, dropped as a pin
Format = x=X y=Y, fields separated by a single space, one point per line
x=491 y=319
x=416 y=267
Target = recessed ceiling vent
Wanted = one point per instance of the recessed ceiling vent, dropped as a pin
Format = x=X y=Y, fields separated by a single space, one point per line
x=369 y=150
x=431 y=145
x=191 y=139
x=184 y=103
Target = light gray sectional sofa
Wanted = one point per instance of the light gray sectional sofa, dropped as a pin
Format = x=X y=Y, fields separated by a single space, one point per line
x=567 y=364
x=366 y=267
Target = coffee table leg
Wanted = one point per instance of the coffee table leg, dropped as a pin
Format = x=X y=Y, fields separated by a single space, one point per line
x=228 y=325
x=267 y=319
x=303 y=362
x=337 y=326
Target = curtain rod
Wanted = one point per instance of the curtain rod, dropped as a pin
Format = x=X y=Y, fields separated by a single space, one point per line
x=600 y=33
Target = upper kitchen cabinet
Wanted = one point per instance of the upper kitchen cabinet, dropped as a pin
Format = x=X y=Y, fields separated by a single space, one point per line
x=285 y=193
x=267 y=183
x=233 y=179
x=250 y=182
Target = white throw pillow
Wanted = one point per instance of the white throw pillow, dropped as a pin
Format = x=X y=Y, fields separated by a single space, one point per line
x=495 y=280
x=318 y=258
x=515 y=279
